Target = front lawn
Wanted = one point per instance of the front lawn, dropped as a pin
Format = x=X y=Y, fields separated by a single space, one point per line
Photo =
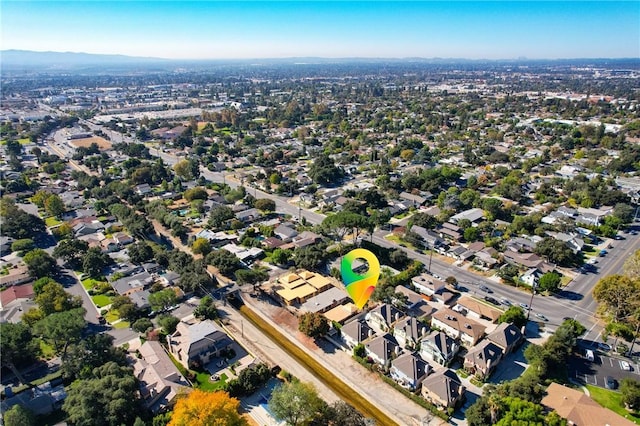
x=89 y=283
x=52 y=221
x=204 y=383
x=112 y=316
x=46 y=349
x=613 y=401
x=101 y=300
x=121 y=324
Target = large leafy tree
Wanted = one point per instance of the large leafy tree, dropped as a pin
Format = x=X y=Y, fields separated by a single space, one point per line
x=71 y=250
x=82 y=357
x=61 y=329
x=140 y=252
x=226 y=262
x=514 y=315
x=557 y=251
x=54 y=205
x=40 y=263
x=630 y=390
x=313 y=324
x=206 y=309
x=108 y=398
x=201 y=246
x=632 y=266
x=549 y=282
x=53 y=298
x=618 y=295
x=162 y=299
x=219 y=215
x=323 y=170
x=94 y=261
x=201 y=408
x=19 y=416
x=296 y=403
x=18 y=347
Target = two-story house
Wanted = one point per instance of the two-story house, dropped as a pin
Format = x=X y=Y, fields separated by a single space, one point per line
x=443 y=389
x=382 y=349
x=482 y=359
x=506 y=336
x=355 y=332
x=409 y=332
x=458 y=326
x=382 y=317
x=438 y=347
x=197 y=344
x=409 y=370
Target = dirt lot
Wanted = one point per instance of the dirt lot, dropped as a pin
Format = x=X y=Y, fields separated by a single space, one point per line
x=102 y=143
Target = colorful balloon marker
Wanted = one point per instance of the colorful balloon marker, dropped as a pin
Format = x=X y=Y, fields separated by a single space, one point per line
x=360 y=287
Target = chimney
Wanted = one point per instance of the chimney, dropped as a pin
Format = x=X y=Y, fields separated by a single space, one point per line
x=424 y=331
x=397 y=316
x=397 y=350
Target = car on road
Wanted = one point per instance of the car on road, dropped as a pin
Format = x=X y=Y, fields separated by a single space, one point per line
x=524 y=306
x=625 y=366
x=542 y=317
x=604 y=347
x=485 y=288
x=634 y=232
x=491 y=300
x=505 y=302
x=610 y=382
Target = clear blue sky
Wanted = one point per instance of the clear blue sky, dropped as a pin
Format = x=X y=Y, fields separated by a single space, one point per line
x=265 y=29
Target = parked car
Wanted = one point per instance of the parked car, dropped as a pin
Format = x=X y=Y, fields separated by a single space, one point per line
x=491 y=300
x=589 y=355
x=625 y=365
x=610 y=382
x=505 y=302
x=604 y=347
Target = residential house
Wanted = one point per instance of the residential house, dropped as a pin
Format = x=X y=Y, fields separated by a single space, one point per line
x=355 y=332
x=39 y=400
x=16 y=276
x=579 y=409
x=430 y=238
x=409 y=332
x=245 y=254
x=474 y=215
x=409 y=370
x=457 y=326
x=197 y=344
x=443 y=389
x=326 y=300
x=122 y=238
x=5 y=245
x=438 y=347
x=478 y=310
x=574 y=242
x=285 y=232
x=527 y=260
x=159 y=380
x=297 y=288
x=383 y=316
x=383 y=349
x=248 y=215
x=531 y=277
x=128 y=285
x=140 y=299
x=450 y=231
x=14 y=293
x=416 y=200
x=427 y=284
x=506 y=336
x=482 y=359
x=142 y=189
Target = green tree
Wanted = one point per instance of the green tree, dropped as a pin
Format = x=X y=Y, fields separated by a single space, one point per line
x=265 y=205
x=251 y=276
x=61 y=329
x=201 y=246
x=471 y=234
x=197 y=193
x=142 y=325
x=91 y=352
x=556 y=251
x=296 y=403
x=169 y=323
x=17 y=223
x=24 y=245
x=54 y=205
x=40 y=264
x=161 y=300
x=313 y=324
x=108 y=398
x=187 y=169
x=549 y=282
x=206 y=309
x=71 y=251
x=219 y=215
x=618 y=295
x=323 y=170
x=309 y=257
x=226 y=262
x=280 y=256
x=514 y=315
x=19 y=416
x=18 y=347
x=53 y=298
x=140 y=252
x=630 y=390
x=94 y=261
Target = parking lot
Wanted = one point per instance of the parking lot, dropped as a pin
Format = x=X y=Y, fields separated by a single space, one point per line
x=603 y=365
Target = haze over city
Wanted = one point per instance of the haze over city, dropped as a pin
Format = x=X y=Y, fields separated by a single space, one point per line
x=232 y=30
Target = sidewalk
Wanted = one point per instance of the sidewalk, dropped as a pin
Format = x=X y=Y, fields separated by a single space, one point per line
x=389 y=400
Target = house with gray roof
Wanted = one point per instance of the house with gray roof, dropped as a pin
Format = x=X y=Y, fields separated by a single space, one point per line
x=383 y=349
x=134 y=283
x=438 y=347
x=355 y=332
x=326 y=300
x=197 y=344
x=382 y=317
x=506 y=336
x=409 y=332
x=443 y=389
x=409 y=370
x=482 y=359
x=474 y=215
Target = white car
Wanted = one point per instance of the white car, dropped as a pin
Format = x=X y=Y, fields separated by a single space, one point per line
x=625 y=366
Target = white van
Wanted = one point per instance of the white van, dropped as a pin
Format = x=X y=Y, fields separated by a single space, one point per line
x=589 y=355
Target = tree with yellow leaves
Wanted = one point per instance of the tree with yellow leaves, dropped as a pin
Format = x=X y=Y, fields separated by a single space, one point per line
x=201 y=408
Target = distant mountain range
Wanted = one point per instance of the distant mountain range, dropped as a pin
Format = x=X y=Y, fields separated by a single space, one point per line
x=27 y=60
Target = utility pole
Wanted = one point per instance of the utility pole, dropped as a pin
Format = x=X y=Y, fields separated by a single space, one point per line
x=533 y=293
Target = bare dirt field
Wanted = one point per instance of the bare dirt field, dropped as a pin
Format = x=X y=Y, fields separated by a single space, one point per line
x=102 y=143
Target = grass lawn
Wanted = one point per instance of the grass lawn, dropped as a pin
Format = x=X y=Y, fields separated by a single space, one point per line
x=101 y=300
x=37 y=382
x=399 y=241
x=90 y=283
x=22 y=141
x=613 y=401
x=203 y=382
x=52 y=221
x=47 y=350
x=121 y=324
x=112 y=316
